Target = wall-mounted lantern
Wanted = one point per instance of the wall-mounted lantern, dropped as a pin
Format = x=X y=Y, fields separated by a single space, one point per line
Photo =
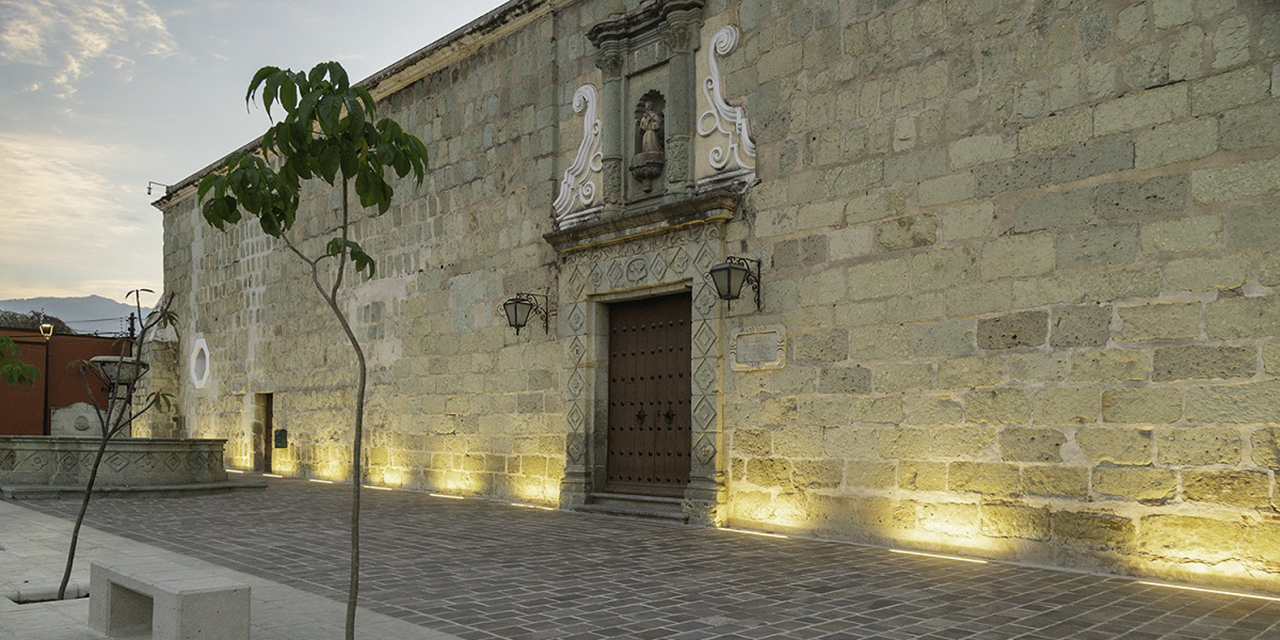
x=730 y=275
x=522 y=305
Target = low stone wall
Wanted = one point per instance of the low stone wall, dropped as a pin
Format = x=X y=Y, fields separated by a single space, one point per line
x=128 y=462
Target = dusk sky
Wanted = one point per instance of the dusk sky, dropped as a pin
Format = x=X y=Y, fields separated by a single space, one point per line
x=102 y=96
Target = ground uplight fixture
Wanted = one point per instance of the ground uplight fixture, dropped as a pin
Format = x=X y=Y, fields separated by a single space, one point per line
x=522 y=305
x=729 y=276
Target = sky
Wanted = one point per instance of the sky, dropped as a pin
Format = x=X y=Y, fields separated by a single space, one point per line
x=99 y=97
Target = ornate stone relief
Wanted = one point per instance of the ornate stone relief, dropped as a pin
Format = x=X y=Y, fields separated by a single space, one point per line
x=738 y=152
x=577 y=198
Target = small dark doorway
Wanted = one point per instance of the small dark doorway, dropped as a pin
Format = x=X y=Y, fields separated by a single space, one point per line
x=263 y=432
x=649 y=391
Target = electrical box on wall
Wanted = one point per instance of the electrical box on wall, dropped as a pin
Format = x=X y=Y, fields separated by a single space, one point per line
x=282 y=439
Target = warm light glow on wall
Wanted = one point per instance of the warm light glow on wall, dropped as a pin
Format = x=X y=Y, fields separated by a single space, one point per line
x=393 y=477
x=537 y=490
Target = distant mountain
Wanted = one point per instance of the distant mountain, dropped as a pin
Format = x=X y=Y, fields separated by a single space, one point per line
x=88 y=314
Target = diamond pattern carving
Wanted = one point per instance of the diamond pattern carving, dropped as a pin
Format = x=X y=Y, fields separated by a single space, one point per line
x=577 y=319
x=577 y=417
x=704 y=415
x=148 y=463
x=705 y=259
x=658 y=268
x=576 y=384
x=576 y=448
x=680 y=262
x=576 y=350
x=172 y=462
x=704 y=451
x=115 y=462
x=36 y=461
x=615 y=275
x=9 y=460
x=704 y=339
x=705 y=377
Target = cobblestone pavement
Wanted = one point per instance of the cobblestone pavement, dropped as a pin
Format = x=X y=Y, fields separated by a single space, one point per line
x=480 y=569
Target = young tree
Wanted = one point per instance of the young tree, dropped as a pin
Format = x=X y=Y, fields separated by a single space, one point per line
x=120 y=413
x=13 y=371
x=330 y=131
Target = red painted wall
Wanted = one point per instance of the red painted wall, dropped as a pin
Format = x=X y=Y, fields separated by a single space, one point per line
x=22 y=409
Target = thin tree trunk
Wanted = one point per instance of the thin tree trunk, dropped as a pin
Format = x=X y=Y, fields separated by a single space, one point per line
x=84 y=507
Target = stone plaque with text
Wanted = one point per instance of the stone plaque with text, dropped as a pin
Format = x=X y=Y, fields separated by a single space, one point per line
x=758 y=348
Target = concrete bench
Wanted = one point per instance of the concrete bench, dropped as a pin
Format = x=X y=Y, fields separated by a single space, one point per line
x=169 y=601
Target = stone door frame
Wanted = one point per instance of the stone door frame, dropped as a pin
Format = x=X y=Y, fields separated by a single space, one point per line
x=671 y=259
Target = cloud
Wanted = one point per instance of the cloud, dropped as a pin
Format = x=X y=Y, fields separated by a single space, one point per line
x=69 y=227
x=73 y=36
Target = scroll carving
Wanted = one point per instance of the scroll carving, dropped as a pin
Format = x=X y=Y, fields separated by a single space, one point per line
x=722 y=117
x=577 y=191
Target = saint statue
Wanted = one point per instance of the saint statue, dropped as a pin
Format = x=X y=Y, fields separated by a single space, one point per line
x=650 y=127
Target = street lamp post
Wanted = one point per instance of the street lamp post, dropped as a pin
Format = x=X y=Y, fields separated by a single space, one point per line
x=46 y=330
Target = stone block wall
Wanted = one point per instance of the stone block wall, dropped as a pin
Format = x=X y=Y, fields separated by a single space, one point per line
x=1024 y=252
x=1021 y=250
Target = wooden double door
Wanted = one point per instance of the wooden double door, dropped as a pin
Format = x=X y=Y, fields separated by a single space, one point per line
x=649 y=396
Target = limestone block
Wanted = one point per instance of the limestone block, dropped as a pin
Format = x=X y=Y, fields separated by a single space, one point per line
x=1132 y=22
x=955 y=519
x=968 y=372
x=1175 y=142
x=1244 y=180
x=844 y=380
x=1160 y=405
x=903 y=443
x=950 y=338
x=1198 y=446
x=932 y=410
x=1143 y=67
x=778 y=410
x=879 y=342
x=902 y=377
x=1266 y=447
x=1188 y=538
x=1104 y=365
x=822 y=288
x=1251 y=317
x=980 y=298
x=1146 y=484
x=1073 y=126
x=906 y=233
x=802 y=440
x=1251 y=126
x=1097 y=246
x=883 y=410
x=876 y=475
x=1171 y=13
x=1035 y=367
x=926 y=305
x=1015 y=521
x=966 y=221
x=1055 y=481
x=916 y=166
x=1031 y=444
x=752 y=442
x=993 y=478
x=981 y=149
x=1203 y=362
x=769 y=472
x=1080 y=326
x=1002 y=405
x=1022 y=329
x=849 y=442
x=1124 y=201
x=1144 y=108
x=1235 y=404
x=1064 y=209
x=1092 y=530
x=878 y=279
x=943 y=268
x=946 y=189
x=1248 y=489
x=1204 y=274
x=1072 y=405
x=1117 y=446
x=919 y=475
x=817 y=474
x=1231 y=42
x=1187 y=234
x=1018 y=256
x=960 y=442
x=1253 y=227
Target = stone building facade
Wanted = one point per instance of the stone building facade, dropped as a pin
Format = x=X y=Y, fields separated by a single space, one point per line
x=1018 y=297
